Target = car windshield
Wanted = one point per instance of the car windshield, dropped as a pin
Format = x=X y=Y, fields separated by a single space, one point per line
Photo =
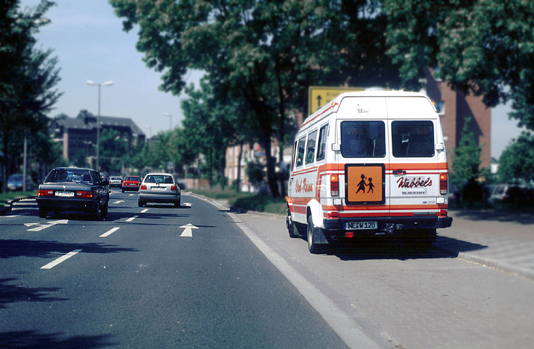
x=69 y=175
x=159 y=179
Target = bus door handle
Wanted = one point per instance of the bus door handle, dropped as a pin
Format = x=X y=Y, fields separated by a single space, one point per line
x=399 y=172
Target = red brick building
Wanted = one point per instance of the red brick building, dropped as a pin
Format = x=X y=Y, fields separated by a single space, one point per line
x=456 y=108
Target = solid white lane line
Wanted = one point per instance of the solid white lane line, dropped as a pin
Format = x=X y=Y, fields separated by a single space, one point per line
x=118 y=201
x=61 y=259
x=109 y=232
x=131 y=218
x=144 y=210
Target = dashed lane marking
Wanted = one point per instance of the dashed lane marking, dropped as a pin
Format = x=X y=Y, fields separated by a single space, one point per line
x=10 y=216
x=187 y=204
x=60 y=259
x=131 y=218
x=109 y=232
x=131 y=194
x=144 y=210
x=119 y=202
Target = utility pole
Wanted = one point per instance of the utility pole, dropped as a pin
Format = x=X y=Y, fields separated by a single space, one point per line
x=99 y=85
x=25 y=161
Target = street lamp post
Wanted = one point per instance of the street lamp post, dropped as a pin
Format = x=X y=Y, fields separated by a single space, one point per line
x=99 y=85
x=169 y=115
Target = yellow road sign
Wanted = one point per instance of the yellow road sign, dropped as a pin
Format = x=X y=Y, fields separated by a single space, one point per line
x=320 y=95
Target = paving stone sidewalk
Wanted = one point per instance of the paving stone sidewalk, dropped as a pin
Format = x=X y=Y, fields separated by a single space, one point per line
x=497 y=239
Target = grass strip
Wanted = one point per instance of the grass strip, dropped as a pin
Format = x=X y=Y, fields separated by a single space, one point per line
x=6 y=197
x=243 y=201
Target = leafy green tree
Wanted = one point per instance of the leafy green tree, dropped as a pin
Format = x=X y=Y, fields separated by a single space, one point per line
x=516 y=163
x=114 y=149
x=28 y=77
x=263 y=53
x=483 y=46
x=466 y=165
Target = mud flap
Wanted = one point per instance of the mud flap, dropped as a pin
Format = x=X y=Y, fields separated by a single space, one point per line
x=444 y=222
x=319 y=237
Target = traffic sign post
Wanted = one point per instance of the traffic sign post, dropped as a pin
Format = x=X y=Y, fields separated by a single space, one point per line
x=320 y=95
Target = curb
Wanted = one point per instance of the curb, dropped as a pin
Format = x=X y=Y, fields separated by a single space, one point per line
x=489 y=263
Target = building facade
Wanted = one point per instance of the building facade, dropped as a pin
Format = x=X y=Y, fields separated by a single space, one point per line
x=77 y=136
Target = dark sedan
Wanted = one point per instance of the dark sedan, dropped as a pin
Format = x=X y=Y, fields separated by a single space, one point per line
x=68 y=189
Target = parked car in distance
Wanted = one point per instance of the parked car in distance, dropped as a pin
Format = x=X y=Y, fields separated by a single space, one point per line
x=115 y=181
x=14 y=182
x=159 y=188
x=68 y=189
x=131 y=183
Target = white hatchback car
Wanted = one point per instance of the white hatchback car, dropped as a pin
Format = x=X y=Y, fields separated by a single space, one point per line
x=159 y=188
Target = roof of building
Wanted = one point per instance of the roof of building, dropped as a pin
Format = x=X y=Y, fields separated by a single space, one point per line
x=86 y=120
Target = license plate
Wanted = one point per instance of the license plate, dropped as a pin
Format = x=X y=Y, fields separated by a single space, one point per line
x=65 y=194
x=158 y=188
x=361 y=225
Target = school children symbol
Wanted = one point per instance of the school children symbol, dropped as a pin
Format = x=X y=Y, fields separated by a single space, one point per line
x=364 y=183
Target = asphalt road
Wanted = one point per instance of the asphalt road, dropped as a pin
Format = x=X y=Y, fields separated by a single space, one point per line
x=138 y=280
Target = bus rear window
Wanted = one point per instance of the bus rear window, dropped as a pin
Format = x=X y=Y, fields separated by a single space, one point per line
x=363 y=139
x=413 y=139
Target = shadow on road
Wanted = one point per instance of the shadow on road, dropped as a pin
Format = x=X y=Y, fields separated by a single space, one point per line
x=14 y=293
x=368 y=249
x=35 y=339
x=47 y=249
x=496 y=215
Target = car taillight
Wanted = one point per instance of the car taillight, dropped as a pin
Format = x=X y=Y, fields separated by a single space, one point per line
x=173 y=187
x=334 y=184
x=443 y=177
x=143 y=187
x=84 y=194
x=45 y=192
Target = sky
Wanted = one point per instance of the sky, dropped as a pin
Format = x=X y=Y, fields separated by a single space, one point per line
x=88 y=39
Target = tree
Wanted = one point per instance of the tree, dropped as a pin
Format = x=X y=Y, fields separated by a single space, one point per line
x=466 y=165
x=264 y=53
x=483 y=47
x=516 y=163
x=114 y=149
x=28 y=77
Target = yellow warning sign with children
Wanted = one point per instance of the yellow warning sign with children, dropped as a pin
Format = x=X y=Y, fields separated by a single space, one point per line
x=365 y=184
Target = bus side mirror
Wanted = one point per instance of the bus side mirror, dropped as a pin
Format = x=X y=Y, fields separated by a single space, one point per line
x=440 y=147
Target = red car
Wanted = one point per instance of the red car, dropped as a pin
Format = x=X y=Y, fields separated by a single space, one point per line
x=131 y=183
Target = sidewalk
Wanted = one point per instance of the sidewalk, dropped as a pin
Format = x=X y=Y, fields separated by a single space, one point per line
x=501 y=240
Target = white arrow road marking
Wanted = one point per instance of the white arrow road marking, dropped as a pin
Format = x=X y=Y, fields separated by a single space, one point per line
x=61 y=259
x=118 y=201
x=109 y=232
x=188 y=232
x=44 y=226
x=131 y=218
x=144 y=210
x=31 y=224
x=187 y=204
